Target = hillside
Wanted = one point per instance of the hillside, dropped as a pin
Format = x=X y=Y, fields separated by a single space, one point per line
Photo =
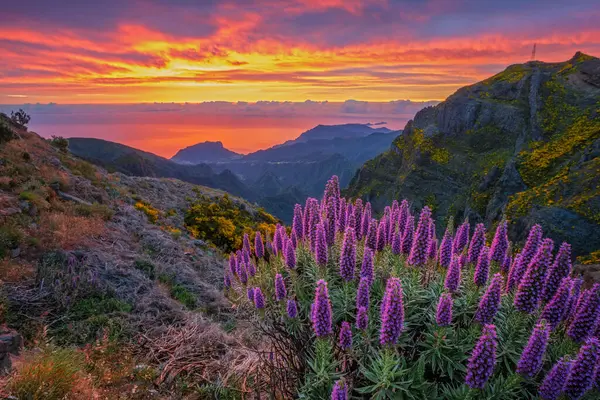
x=522 y=144
x=205 y=152
x=98 y=271
x=117 y=157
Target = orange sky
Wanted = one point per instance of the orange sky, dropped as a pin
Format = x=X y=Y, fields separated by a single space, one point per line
x=374 y=50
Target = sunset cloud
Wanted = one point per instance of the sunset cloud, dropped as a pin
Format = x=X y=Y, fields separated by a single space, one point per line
x=378 y=50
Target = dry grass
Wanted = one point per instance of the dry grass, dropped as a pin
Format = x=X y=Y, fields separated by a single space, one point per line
x=15 y=270
x=65 y=231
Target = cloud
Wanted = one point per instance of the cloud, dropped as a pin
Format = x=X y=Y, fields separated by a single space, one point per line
x=249 y=50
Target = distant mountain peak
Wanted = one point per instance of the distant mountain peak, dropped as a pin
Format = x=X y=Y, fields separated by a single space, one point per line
x=203 y=152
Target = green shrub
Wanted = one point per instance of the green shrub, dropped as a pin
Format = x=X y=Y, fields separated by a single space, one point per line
x=95 y=210
x=6 y=133
x=20 y=117
x=146 y=267
x=10 y=238
x=60 y=143
x=184 y=296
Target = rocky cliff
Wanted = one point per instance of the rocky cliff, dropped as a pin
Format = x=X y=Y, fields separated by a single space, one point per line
x=523 y=144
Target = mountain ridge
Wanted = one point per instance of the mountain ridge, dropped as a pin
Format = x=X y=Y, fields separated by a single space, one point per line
x=522 y=144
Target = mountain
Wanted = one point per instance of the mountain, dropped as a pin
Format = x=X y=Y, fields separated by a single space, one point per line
x=117 y=157
x=328 y=132
x=523 y=144
x=203 y=153
x=286 y=173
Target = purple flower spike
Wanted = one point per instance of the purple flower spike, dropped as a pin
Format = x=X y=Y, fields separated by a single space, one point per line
x=452 y=281
x=462 y=237
x=232 y=264
x=517 y=270
x=532 y=357
x=571 y=305
x=345 y=339
x=581 y=376
x=297 y=222
x=341 y=222
x=371 y=236
x=505 y=266
x=362 y=319
x=529 y=291
x=294 y=239
x=490 y=301
x=246 y=243
x=292 y=308
x=482 y=270
x=586 y=315
x=561 y=268
x=477 y=243
x=321 y=246
x=554 y=311
x=290 y=254
x=392 y=313
x=381 y=239
x=443 y=315
x=402 y=216
x=321 y=310
x=407 y=238
x=432 y=252
x=280 y=291
x=446 y=249
x=251 y=268
x=366 y=220
x=348 y=255
x=362 y=294
x=534 y=240
x=397 y=242
x=242 y=273
x=259 y=247
x=250 y=294
x=259 y=298
x=351 y=218
x=552 y=386
x=340 y=391
x=500 y=243
x=366 y=270
x=420 y=245
x=483 y=359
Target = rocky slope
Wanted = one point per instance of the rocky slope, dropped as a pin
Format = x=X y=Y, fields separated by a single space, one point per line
x=523 y=144
x=88 y=256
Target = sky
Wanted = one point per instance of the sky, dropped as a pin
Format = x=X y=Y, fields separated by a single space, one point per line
x=143 y=51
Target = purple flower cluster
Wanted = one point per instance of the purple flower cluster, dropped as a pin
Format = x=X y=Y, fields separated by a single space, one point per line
x=259 y=298
x=345 y=339
x=529 y=290
x=292 y=308
x=477 y=243
x=362 y=319
x=366 y=270
x=532 y=357
x=340 y=391
x=554 y=311
x=561 y=268
x=250 y=294
x=515 y=274
x=586 y=314
x=534 y=239
x=420 y=245
x=297 y=222
x=259 y=247
x=290 y=254
x=381 y=236
x=397 y=242
x=446 y=249
x=443 y=315
x=392 y=313
x=321 y=314
x=362 y=294
x=452 y=281
x=490 y=301
x=461 y=238
x=280 y=290
x=407 y=237
x=573 y=298
x=552 y=386
x=348 y=255
x=581 y=375
x=483 y=359
x=482 y=270
x=321 y=246
x=499 y=245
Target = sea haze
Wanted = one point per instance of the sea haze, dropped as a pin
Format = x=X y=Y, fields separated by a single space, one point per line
x=163 y=129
